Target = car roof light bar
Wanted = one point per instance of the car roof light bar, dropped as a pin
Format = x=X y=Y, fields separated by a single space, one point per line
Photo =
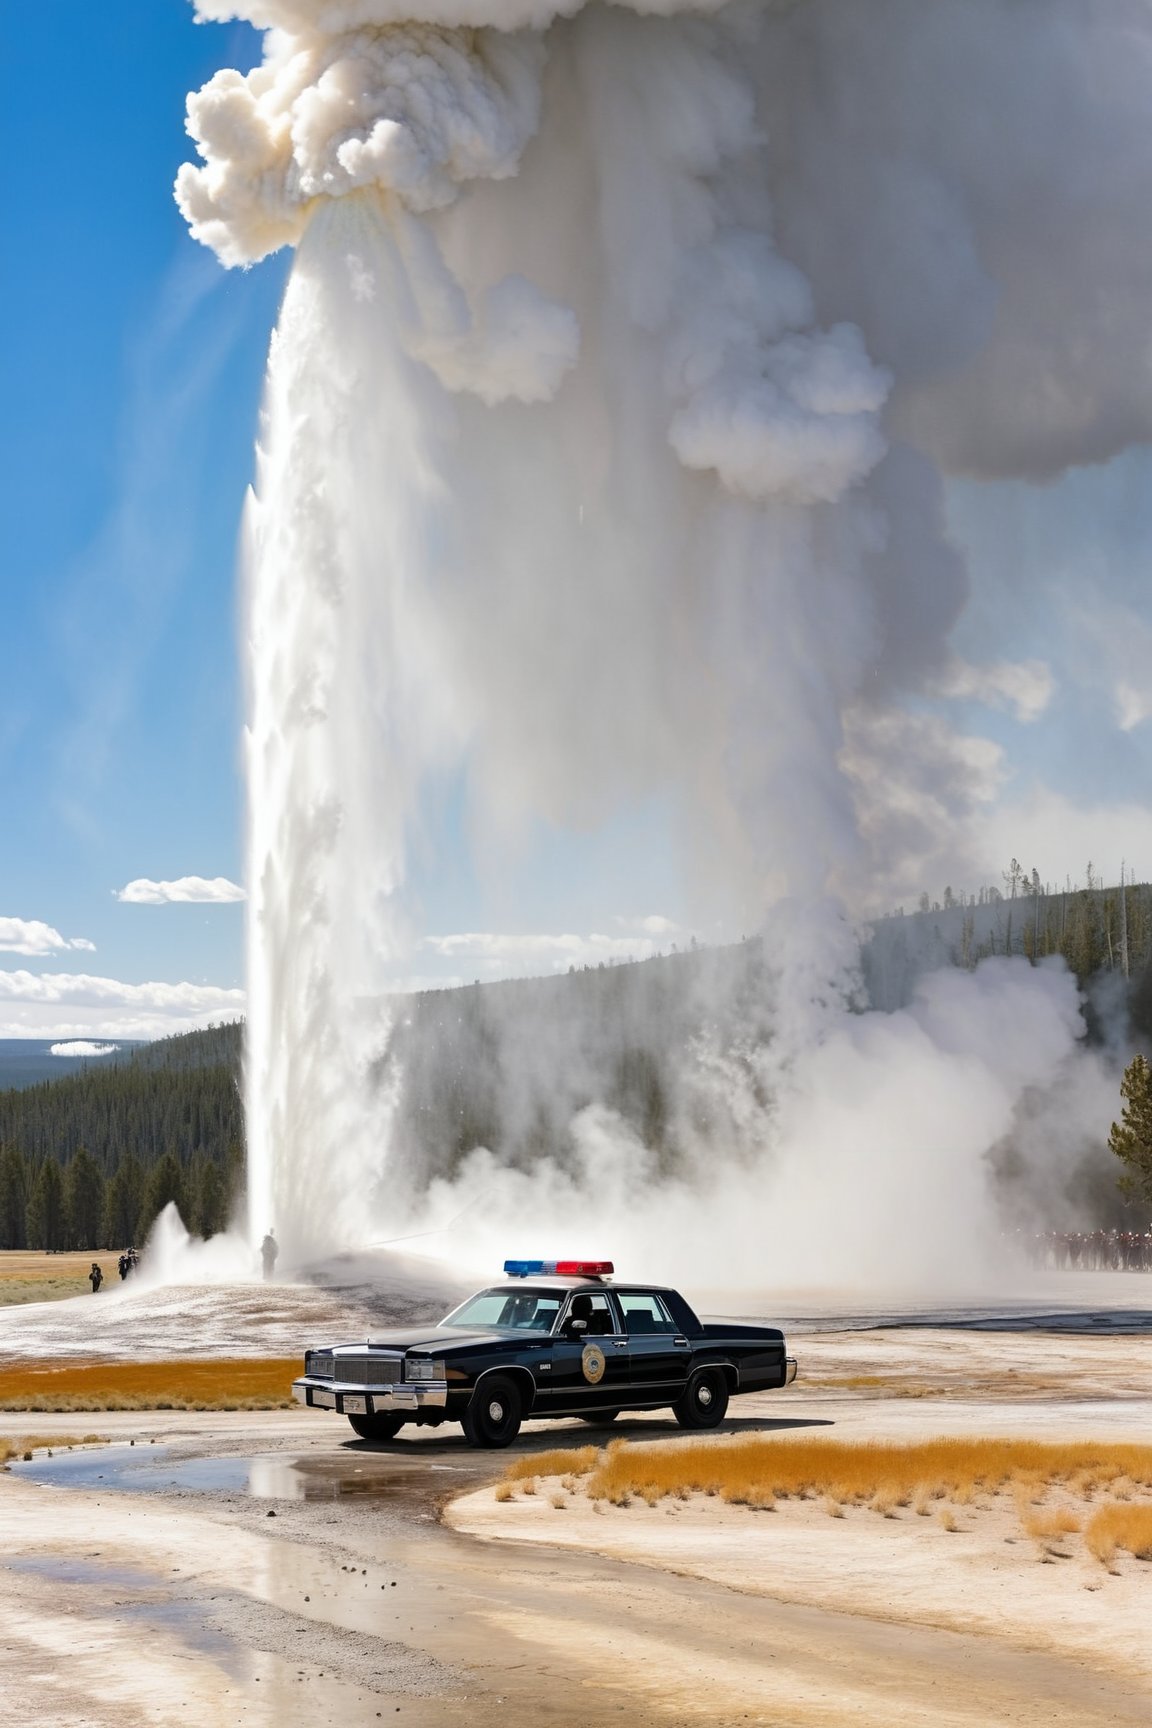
x=558 y=1268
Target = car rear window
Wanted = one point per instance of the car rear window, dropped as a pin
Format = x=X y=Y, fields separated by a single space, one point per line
x=644 y=1311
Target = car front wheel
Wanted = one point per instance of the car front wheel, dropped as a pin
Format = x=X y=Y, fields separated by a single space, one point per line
x=704 y=1402
x=493 y=1417
x=384 y=1426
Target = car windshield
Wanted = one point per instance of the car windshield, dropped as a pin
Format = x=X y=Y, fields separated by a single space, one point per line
x=508 y=1310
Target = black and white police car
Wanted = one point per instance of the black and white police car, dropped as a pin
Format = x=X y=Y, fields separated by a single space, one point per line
x=556 y=1339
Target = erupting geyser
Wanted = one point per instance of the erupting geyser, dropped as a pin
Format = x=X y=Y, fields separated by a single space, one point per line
x=620 y=358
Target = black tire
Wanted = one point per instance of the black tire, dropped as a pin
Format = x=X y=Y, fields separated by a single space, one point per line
x=704 y=1402
x=494 y=1415
x=384 y=1426
x=598 y=1416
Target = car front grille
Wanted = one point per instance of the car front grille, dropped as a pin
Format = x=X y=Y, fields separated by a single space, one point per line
x=320 y=1363
x=374 y=1370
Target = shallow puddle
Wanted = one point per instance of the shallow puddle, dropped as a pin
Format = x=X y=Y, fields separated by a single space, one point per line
x=268 y=1476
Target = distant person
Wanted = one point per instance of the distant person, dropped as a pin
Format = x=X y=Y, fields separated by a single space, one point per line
x=95 y=1277
x=124 y=1265
x=269 y=1249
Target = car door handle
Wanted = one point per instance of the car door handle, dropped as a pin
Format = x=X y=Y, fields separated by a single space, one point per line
x=683 y=1342
x=620 y=1343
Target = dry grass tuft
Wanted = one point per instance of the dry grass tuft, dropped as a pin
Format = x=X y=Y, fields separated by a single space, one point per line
x=26 y=1444
x=505 y=1491
x=947 y=1520
x=883 y=1475
x=1124 y=1526
x=557 y=1463
x=240 y=1383
x=1045 y=1525
x=833 y=1507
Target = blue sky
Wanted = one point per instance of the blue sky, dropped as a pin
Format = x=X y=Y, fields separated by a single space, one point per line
x=132 y=368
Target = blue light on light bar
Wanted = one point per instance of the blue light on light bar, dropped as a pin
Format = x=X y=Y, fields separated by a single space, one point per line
x=558 y=1268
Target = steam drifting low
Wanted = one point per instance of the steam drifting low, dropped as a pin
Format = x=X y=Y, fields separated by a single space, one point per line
x=623 y=357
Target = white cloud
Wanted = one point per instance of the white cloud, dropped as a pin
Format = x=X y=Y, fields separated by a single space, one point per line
x=1023 y=686
x=185 y=890
x=83 y=1047
x=653 y=925
x=1133 y=705
x=525 y=955
x=29 y=936
x=1057 y=837
x=66 y=1006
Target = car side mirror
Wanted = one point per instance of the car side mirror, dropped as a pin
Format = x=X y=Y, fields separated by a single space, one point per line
x=576 y=1327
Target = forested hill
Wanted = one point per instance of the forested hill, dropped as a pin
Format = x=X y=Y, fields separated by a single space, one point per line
x=214 y=1047
x=89 y=1160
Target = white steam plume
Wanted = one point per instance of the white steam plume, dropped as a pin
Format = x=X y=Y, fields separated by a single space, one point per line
x=574 y=479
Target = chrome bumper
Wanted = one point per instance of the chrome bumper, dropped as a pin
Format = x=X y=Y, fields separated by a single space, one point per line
x=789 y=1370
x=370 y=1400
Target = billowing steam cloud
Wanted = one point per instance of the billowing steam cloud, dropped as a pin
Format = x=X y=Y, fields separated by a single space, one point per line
x=624 y=354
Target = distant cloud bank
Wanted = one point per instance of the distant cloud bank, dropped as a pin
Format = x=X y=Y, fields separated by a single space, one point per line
x=185 y=890
x=528 y=954
x=30 y=937
x=76 y=1007
x=83 y=1047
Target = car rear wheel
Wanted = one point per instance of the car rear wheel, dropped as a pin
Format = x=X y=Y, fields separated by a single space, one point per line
x=704 y=1402
x=494 y=1415
x=384 y=1426
x=598 y=1415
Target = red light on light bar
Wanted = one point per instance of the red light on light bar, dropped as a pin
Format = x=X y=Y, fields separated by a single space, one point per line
x=584 y=1268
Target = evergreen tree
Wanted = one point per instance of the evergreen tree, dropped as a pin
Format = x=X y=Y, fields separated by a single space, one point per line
x=84 y=1201
x=46 y=1219
x=122 y=1201
x=165 y=1184
x=207 y=1197
x=1131 y=1137
x=13 y=1199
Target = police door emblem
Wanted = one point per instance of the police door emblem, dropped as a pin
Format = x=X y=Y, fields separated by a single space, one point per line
x=592 y=1362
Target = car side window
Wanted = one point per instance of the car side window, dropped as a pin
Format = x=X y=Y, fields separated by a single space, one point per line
x=644 y=1312
x=593 y=1306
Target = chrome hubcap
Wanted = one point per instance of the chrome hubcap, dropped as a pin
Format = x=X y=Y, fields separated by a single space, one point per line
x=496 y=1411
x=704 y=1395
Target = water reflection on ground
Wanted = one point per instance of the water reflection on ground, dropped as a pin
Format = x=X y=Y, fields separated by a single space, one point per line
x=266 y=1476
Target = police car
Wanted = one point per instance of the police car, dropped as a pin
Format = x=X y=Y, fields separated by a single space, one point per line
x=555 y=1339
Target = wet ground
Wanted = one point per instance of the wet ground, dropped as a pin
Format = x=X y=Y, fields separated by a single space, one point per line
x=267 y=1568
x=282 y=1573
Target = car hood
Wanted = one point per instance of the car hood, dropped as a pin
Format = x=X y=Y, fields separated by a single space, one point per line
x=437 y=1339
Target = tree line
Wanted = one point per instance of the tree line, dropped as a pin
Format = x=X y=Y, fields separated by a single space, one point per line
x=1095 y=928
x=89 y=1161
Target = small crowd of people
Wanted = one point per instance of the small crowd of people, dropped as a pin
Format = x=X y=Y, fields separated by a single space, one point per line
x=1092 y=1250
x=130 y=1259
x=126 y=1264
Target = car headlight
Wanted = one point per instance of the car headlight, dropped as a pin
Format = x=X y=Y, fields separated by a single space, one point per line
x=420 y=1368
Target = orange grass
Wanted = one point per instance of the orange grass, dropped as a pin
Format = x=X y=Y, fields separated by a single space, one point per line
x=1046 y=1525
x=882 y=1474
x=1114 y=1527
x=242 y=1383
x=557 y=1463
x=24 y=1445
